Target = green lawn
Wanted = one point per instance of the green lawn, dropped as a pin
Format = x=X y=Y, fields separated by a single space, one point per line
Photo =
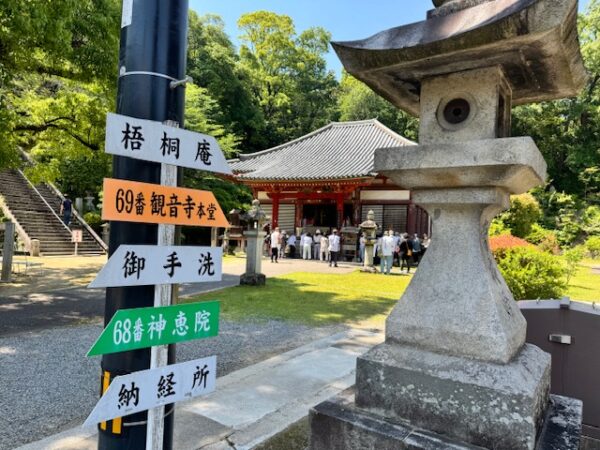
x=585 y=285
x=356 y=298
x=315 y=299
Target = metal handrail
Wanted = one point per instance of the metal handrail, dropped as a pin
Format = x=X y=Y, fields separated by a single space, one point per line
x=90 y=230
x=45 y=202
x=53 y=188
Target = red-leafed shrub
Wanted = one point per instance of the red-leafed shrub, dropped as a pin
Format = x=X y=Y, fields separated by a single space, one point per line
x=529 y=272
x=505 y=242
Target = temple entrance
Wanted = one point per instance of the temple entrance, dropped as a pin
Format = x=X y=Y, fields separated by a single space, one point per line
x=320 y=215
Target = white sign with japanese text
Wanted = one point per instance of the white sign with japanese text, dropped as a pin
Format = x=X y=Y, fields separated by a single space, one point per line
x=147 y=389
x=152 y=141
x=142 y=265
x=77 y=236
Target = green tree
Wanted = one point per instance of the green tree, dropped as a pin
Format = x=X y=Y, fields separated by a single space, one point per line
x=215 y=66
x=200 y=108
x=561 y=212
x=42 y=40
x=61 y=124
x=568 y=131
x=358 y=102
x=288 y=75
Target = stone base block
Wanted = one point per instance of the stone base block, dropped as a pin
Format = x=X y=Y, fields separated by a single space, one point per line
x=338 y=424
x=253 y=279
x=486 y=404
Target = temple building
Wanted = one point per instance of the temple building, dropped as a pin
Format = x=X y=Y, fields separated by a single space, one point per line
x=326 y=179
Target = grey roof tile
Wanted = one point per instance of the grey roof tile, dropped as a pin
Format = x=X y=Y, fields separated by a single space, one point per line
x=340 y=150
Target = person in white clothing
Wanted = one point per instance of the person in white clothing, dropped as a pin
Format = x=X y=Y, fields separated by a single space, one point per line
x=307 y=242
x=334 y=248
x=324 y=255
x=317 y=245
x=275 y=244
x=387 y=252
x=361 y=247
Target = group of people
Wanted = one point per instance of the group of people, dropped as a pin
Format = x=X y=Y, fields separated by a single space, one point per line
x=323 y=247
x=390 y=248
x=398 y=247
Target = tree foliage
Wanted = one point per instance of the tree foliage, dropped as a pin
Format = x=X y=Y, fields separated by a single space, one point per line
x=568 y=131
x=41 y=41
x=524 y=212
x=58 y=65
x=289 y=78
x=199 y=112
x=532 y=274
x=215 y=66
x=358 y=102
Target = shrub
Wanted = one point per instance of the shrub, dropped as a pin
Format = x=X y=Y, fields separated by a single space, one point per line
x=573 y=257
x=569 y=228
x=561 y=213
x=546 y=240
x=499 y=244
x=94 y=220
x=497 y=228
x=593 y=246
x=531 y=273
x=591 y=220
x=523 y=213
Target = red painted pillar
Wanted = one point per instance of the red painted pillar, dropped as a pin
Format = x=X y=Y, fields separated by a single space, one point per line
x=340 y=209
x=299 y=211
x=275 y=218
x=356 y=208
x=410 y=220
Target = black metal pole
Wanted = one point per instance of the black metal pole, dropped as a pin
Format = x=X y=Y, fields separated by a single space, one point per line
x=152 y=54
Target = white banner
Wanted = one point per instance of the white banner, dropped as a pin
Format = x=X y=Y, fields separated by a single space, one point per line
x=140 y=391
x=141 y=265
x=152 y=141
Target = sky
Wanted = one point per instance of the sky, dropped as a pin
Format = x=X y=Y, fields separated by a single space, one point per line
x=344 y=19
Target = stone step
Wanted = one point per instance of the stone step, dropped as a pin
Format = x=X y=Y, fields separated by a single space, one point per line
x=37 y=213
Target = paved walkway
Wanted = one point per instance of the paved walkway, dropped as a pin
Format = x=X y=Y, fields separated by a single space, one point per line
x=254 y=403
x=58 y=298
x=55 y=274
x=47 y=325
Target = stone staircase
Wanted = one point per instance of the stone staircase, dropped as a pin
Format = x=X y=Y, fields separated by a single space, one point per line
x=30 y=209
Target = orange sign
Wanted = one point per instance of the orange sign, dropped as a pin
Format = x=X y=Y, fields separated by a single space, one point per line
x=131 y=201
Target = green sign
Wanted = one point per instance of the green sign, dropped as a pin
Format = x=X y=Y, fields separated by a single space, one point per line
x=132 y=329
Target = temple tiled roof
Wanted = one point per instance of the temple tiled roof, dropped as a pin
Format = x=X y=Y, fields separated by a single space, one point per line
x=340 y=150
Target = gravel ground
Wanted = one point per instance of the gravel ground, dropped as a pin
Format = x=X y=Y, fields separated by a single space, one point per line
x=48 y=385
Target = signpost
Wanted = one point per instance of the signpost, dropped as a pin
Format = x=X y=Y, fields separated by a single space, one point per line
x=152 y=55
x=9 y=248
x=139 y=265
x=131 y=201
x=132 y=329
x=152 y=141
x=76 y=238
x=150 y=389
x=159 y=354
x=151 y=80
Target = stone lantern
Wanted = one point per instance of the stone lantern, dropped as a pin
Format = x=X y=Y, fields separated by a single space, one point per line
x=455 y=371
x=254 y=235
x=369 y=227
